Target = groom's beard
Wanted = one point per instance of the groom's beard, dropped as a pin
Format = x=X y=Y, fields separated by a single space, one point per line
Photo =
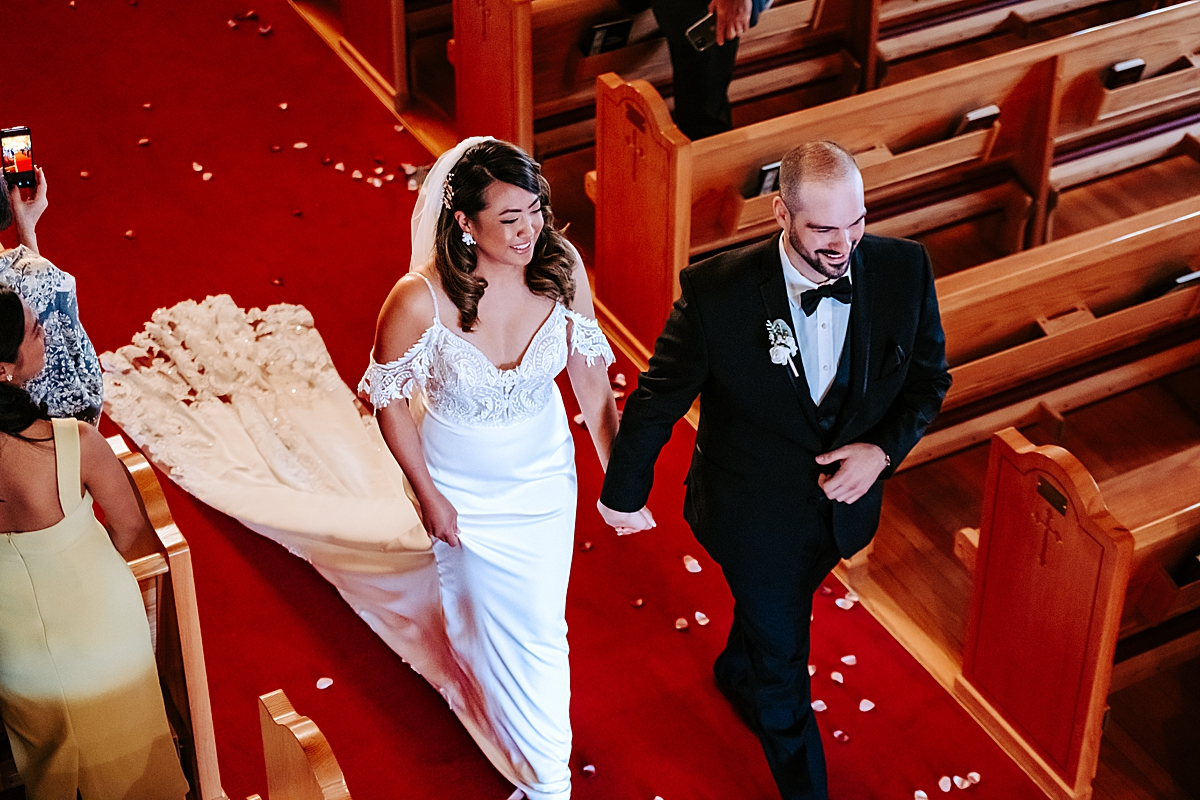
x=813 y=259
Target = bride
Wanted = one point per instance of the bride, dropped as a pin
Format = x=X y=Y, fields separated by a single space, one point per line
x=462 y=380
x=246 y=411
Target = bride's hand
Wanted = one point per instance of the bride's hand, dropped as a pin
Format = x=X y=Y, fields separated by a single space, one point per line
x=439 y=518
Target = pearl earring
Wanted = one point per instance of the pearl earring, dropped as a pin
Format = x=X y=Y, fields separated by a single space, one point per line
x=468 y=239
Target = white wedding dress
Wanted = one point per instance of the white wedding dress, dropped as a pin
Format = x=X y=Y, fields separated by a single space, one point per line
x=245 y=411
x=498 y=447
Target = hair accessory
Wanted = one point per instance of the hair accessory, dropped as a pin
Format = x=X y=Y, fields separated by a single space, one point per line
x=432 y=200
x=468 y=239
x=447 y=192
x=9 y=377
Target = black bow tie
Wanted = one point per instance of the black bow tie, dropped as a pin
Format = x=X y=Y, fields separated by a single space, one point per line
x=839 y=290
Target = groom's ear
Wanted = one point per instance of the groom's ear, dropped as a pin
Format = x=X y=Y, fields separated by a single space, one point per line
x=780 y=210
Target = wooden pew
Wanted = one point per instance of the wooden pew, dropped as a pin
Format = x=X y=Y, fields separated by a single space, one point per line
x=1046 y=310
x=300 y=763
x=522 y=72
x=1051 y=99
x=699 y=189
x=953 y=31
x=165 y=577
x=169 y=591
x=1065 y=566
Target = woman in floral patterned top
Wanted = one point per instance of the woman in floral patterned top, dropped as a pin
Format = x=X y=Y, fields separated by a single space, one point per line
x=71 y=384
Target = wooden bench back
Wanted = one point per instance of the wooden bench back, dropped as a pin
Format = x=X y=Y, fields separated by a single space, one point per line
x=1051 y=573
x=1030 y=314
x=169 y=592
x=300 y=763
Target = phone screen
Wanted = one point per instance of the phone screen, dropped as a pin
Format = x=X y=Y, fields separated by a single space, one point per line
x=16 y=150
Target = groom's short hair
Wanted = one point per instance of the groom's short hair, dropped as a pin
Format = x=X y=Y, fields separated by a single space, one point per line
x=813 y=162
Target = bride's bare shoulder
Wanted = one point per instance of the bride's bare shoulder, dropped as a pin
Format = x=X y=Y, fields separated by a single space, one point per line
x=406 y=315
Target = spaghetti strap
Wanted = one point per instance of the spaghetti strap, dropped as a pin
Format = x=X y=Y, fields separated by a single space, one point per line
x=66 y=459
x=437 y=315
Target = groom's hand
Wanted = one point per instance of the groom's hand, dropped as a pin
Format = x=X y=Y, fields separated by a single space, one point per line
x=627 y=522
x=861 y=465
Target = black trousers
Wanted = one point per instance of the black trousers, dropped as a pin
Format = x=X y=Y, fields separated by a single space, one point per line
x=764 y=667
x=701 y=82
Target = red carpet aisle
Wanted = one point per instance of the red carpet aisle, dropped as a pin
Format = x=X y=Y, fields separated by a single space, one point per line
x=647 y=714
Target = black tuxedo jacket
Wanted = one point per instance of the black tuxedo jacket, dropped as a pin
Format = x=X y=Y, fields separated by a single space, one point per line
x=753 y=476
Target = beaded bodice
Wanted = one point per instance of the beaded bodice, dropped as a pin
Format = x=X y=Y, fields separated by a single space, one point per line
x=462 y=385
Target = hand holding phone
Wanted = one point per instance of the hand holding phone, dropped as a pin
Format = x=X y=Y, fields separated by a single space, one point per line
x=27 y=212
x=703 y=34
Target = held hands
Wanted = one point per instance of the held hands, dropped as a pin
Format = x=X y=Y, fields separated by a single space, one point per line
x=439 y=518
x=861 y=465
x=627 y=522
x=733 y=18
x=26 y=213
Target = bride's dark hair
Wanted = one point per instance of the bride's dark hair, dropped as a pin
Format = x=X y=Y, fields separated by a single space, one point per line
x=17 y=409
x=549 y=272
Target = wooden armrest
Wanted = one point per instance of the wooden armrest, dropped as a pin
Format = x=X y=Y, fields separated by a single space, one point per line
x=300 y=762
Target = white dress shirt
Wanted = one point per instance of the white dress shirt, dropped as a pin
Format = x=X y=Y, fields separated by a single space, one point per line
x=820 y=337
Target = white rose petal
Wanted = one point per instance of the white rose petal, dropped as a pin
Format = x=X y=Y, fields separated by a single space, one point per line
x=944 y=783
x=819 y=705
x=324 y=683
x=865 y=705
x=849 y=661
x=837 y=677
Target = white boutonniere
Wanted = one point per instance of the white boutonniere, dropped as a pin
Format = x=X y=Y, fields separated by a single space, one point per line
x=783 y=344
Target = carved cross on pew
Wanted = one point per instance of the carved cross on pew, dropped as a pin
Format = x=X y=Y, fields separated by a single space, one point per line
x=1043 y=521
x=635 y=148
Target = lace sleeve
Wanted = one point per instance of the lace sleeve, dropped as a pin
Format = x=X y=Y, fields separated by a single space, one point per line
x=383 y=383
x=588 y=340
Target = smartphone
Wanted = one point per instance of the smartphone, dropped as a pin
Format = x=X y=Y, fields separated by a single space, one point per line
x=703 y=34
x=17 y=147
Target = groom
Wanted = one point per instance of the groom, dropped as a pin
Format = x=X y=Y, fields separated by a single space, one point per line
x=819 y=360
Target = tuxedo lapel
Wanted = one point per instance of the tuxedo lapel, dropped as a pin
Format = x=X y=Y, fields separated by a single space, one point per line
x=775 y=301
x=861 y=316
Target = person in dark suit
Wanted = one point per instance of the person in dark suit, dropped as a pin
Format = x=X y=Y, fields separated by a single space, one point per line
x=701 y=82
x=819 y=360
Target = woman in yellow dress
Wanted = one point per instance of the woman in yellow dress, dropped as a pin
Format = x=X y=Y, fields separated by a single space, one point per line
x=79 y=691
